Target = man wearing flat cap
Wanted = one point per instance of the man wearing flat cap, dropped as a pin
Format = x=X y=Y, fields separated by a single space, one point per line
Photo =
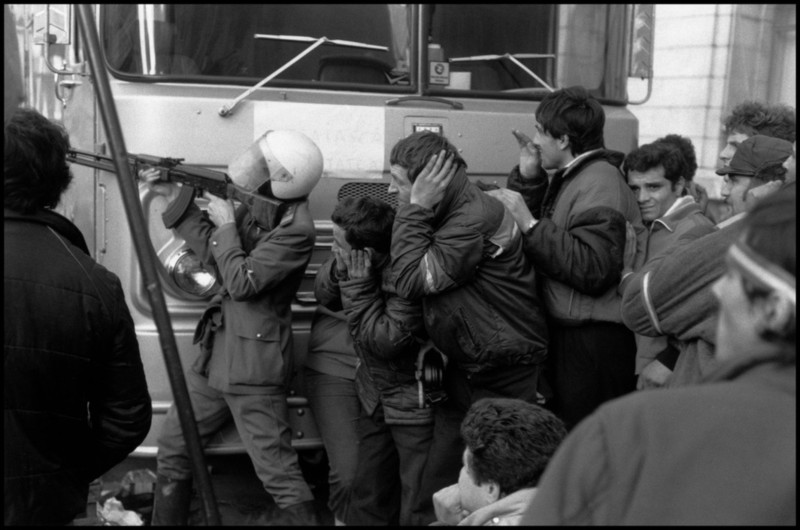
x=757 y=166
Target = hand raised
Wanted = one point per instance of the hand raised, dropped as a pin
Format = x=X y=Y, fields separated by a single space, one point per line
x=428 y=190
x=341 y=266
x=529 y=158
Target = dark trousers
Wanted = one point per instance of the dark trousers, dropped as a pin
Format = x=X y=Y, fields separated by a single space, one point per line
x=391 y=460
x=589 y=365
x=464 y=389
x=334 y=402
x=262 y=423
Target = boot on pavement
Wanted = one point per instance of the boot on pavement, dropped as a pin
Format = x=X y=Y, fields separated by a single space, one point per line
x=171 y=502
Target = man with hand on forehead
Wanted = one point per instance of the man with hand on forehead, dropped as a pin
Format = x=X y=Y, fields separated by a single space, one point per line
x=244 y=360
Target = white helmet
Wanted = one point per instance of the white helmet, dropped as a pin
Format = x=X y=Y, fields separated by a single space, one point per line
x=289 y=159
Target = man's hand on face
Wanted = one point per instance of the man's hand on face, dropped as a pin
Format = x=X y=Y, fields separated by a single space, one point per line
x=220 y=211
x=358 y=263
x=428 y=190
x=341 y=266
x=530 y=163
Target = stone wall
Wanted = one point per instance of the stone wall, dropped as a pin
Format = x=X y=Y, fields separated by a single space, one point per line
x=707 y=59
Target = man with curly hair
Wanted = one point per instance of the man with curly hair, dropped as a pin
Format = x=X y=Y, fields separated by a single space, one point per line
x=658 y=174
x=753 y=117
x=508 y=445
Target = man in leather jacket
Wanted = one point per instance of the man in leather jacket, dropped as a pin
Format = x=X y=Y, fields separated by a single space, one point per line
x=459 y=251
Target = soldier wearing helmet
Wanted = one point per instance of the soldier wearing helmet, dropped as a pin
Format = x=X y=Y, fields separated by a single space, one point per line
x=244 y=337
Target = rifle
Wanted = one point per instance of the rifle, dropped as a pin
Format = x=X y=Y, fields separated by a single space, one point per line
x=267 y=211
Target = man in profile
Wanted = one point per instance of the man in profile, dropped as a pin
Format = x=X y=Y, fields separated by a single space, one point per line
x=574 y=232
x=753 y=117
x=76 y=399
x=758 y=161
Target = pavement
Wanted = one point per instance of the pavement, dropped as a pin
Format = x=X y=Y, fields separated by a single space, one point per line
x=241 y=499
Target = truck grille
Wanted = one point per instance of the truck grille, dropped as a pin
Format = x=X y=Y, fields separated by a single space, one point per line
x=379 y=190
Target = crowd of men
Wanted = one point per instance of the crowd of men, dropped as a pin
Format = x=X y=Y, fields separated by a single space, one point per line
x=546 y=304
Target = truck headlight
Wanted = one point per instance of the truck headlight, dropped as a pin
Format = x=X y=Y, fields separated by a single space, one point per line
x=189 y=273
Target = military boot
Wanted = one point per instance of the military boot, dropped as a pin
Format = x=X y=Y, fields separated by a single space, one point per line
x=171 y=502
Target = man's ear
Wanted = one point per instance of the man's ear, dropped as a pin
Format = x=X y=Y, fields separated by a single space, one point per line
x=492 y=491
x=774 y=313
x=563 y=142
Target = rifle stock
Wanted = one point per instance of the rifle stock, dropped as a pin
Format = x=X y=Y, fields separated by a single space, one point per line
x=266 y=210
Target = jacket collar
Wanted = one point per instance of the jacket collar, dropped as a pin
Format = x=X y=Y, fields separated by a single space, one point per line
x=680 y=210
x=614 y=158
x=53 y=220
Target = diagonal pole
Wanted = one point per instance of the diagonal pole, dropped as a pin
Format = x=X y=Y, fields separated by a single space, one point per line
x=144 y=249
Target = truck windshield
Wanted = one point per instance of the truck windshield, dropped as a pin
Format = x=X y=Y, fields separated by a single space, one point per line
x=479 y=50
x=530 y=48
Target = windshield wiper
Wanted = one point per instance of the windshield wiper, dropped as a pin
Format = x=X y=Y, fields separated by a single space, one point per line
x=514 y=58
x=227 y=109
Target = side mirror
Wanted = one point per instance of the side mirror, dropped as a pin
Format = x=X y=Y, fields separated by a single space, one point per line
x=641 y=46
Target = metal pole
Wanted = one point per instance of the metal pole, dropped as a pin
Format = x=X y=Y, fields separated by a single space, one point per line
x=141 y=239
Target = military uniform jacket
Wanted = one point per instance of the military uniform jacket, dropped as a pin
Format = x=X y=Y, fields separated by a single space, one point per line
x=249 y=349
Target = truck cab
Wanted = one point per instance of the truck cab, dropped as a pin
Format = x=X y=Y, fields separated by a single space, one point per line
x=201 y=82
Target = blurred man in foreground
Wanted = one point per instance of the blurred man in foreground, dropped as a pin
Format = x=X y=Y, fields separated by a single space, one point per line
x=75 y=394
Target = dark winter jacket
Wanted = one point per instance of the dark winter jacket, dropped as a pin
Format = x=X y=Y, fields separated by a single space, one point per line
x=250 y=351
x=387 y=332
x=465 y=260
x=719 y=453
x=577 y=246
x=76 y=399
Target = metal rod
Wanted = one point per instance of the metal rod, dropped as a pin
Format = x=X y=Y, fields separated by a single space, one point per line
x=147 y=260
x=227 y=109
x=528 y=70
